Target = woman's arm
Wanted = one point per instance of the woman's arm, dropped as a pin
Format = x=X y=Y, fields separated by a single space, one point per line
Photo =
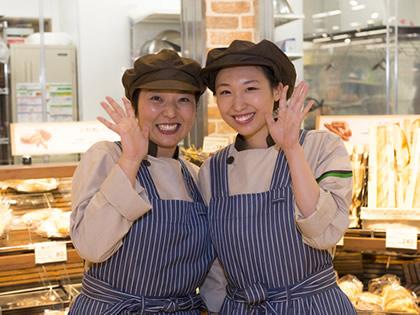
x=104 y=203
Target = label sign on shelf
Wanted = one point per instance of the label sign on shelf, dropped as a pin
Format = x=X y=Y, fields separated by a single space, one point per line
x=405 y=238
x=213 y=143
x=49 y=252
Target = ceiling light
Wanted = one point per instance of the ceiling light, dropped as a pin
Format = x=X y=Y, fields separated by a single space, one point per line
x=358 y=7
x=342 y=36
x=353 y=3
x=322 y=15
x=374 y=15
x=321 y=40
x=370 y=33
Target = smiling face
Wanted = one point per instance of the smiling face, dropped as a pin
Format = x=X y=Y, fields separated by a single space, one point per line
x=169 y=115
x=244 y=95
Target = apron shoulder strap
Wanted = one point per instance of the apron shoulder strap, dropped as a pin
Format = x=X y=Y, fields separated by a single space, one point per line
x=189 y=181
x=219 y=173
x=144 y=178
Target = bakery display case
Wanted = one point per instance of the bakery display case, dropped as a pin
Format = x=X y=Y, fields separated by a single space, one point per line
x=39 y=268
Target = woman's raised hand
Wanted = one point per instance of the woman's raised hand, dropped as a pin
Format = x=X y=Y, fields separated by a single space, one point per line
x=285 y=130
x=134 y=139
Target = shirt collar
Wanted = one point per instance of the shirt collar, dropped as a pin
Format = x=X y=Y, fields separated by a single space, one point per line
x=240 y=142
x=153 y=148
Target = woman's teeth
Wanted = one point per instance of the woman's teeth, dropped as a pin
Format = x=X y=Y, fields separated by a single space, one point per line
x=244 y=118
x=168 y=127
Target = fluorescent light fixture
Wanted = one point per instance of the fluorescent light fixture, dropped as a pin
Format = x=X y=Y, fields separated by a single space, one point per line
x=342 y=36
x=347 y=40
x=374 y=15
x=369 y=33
x=321 y=40
x=322 y=15
x=352 y=43
x=358 y=7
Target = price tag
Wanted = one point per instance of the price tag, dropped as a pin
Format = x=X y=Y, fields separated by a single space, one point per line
x=212 y=144
x=341 y=242
x=48 y=252
x=401 y=238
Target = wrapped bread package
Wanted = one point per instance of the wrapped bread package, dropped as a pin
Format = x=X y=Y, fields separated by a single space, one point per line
x=351 y=286
x=394 y=165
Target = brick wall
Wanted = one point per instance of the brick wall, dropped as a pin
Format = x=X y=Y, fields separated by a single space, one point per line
x=225 y=22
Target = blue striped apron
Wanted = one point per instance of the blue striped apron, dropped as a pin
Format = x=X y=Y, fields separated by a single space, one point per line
x=163 y=259
x=269 y=269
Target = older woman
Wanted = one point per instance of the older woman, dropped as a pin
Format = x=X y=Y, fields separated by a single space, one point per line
x=137 y=213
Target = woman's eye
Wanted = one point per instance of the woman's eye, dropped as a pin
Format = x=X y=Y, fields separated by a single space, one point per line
x=251 y=88
x=185 y=100
x=155 y=98
x=224 y=92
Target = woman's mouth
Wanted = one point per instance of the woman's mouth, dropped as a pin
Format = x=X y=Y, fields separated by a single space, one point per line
x=244 y=118
x=168 y=129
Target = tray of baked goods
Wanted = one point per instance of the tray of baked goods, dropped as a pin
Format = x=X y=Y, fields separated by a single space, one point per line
x=384 y=295
x=31 y=211
x=48 y=299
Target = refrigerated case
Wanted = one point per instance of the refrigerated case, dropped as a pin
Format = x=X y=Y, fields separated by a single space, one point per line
x=60 y=83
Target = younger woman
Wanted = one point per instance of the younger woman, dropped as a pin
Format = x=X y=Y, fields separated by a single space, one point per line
x=279 y=196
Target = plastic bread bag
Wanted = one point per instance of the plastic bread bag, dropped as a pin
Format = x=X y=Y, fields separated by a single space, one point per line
x=351 y=286
x=377 y=285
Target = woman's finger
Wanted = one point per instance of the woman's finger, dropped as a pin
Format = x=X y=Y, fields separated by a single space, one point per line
x=116 y=117
x=307 y=108
x=115 y=106
x=107 y=123
x=283 y=98
x=128 y=108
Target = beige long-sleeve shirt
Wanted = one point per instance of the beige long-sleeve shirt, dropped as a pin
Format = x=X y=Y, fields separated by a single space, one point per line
x=104 y=203
x=251 y=172
x=252 y=169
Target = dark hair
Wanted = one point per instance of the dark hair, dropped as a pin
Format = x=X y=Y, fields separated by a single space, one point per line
x=269 y=74
x=136 y=94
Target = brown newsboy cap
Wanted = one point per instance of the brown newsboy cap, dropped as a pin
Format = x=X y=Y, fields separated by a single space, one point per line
x=165 y=70
x=245 y=53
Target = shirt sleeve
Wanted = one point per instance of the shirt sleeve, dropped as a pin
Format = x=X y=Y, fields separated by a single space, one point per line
x=104 y=204
x=213 y=290
x=330 y=163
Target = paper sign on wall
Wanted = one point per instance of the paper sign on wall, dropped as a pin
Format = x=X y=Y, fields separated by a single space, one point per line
x=57 y=138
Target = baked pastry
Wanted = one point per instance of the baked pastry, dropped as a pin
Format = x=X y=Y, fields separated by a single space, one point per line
x=369 y=302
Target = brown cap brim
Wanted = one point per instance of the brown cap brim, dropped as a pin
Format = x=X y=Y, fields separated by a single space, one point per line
x=169 y=85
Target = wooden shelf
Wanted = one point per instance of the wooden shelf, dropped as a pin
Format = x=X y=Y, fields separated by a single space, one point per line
x=362 y=241
x=37 y=171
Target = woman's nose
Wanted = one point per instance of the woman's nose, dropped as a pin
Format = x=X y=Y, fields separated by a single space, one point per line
x=238 y=102
x=170 y=110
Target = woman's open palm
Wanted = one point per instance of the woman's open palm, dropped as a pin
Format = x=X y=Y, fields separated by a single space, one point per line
x=285 y=130
x=134 y=139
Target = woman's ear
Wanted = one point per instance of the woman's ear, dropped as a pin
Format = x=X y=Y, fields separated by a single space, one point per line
x=277 y=91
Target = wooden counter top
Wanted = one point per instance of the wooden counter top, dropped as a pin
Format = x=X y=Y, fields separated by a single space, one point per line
x=37 y=171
